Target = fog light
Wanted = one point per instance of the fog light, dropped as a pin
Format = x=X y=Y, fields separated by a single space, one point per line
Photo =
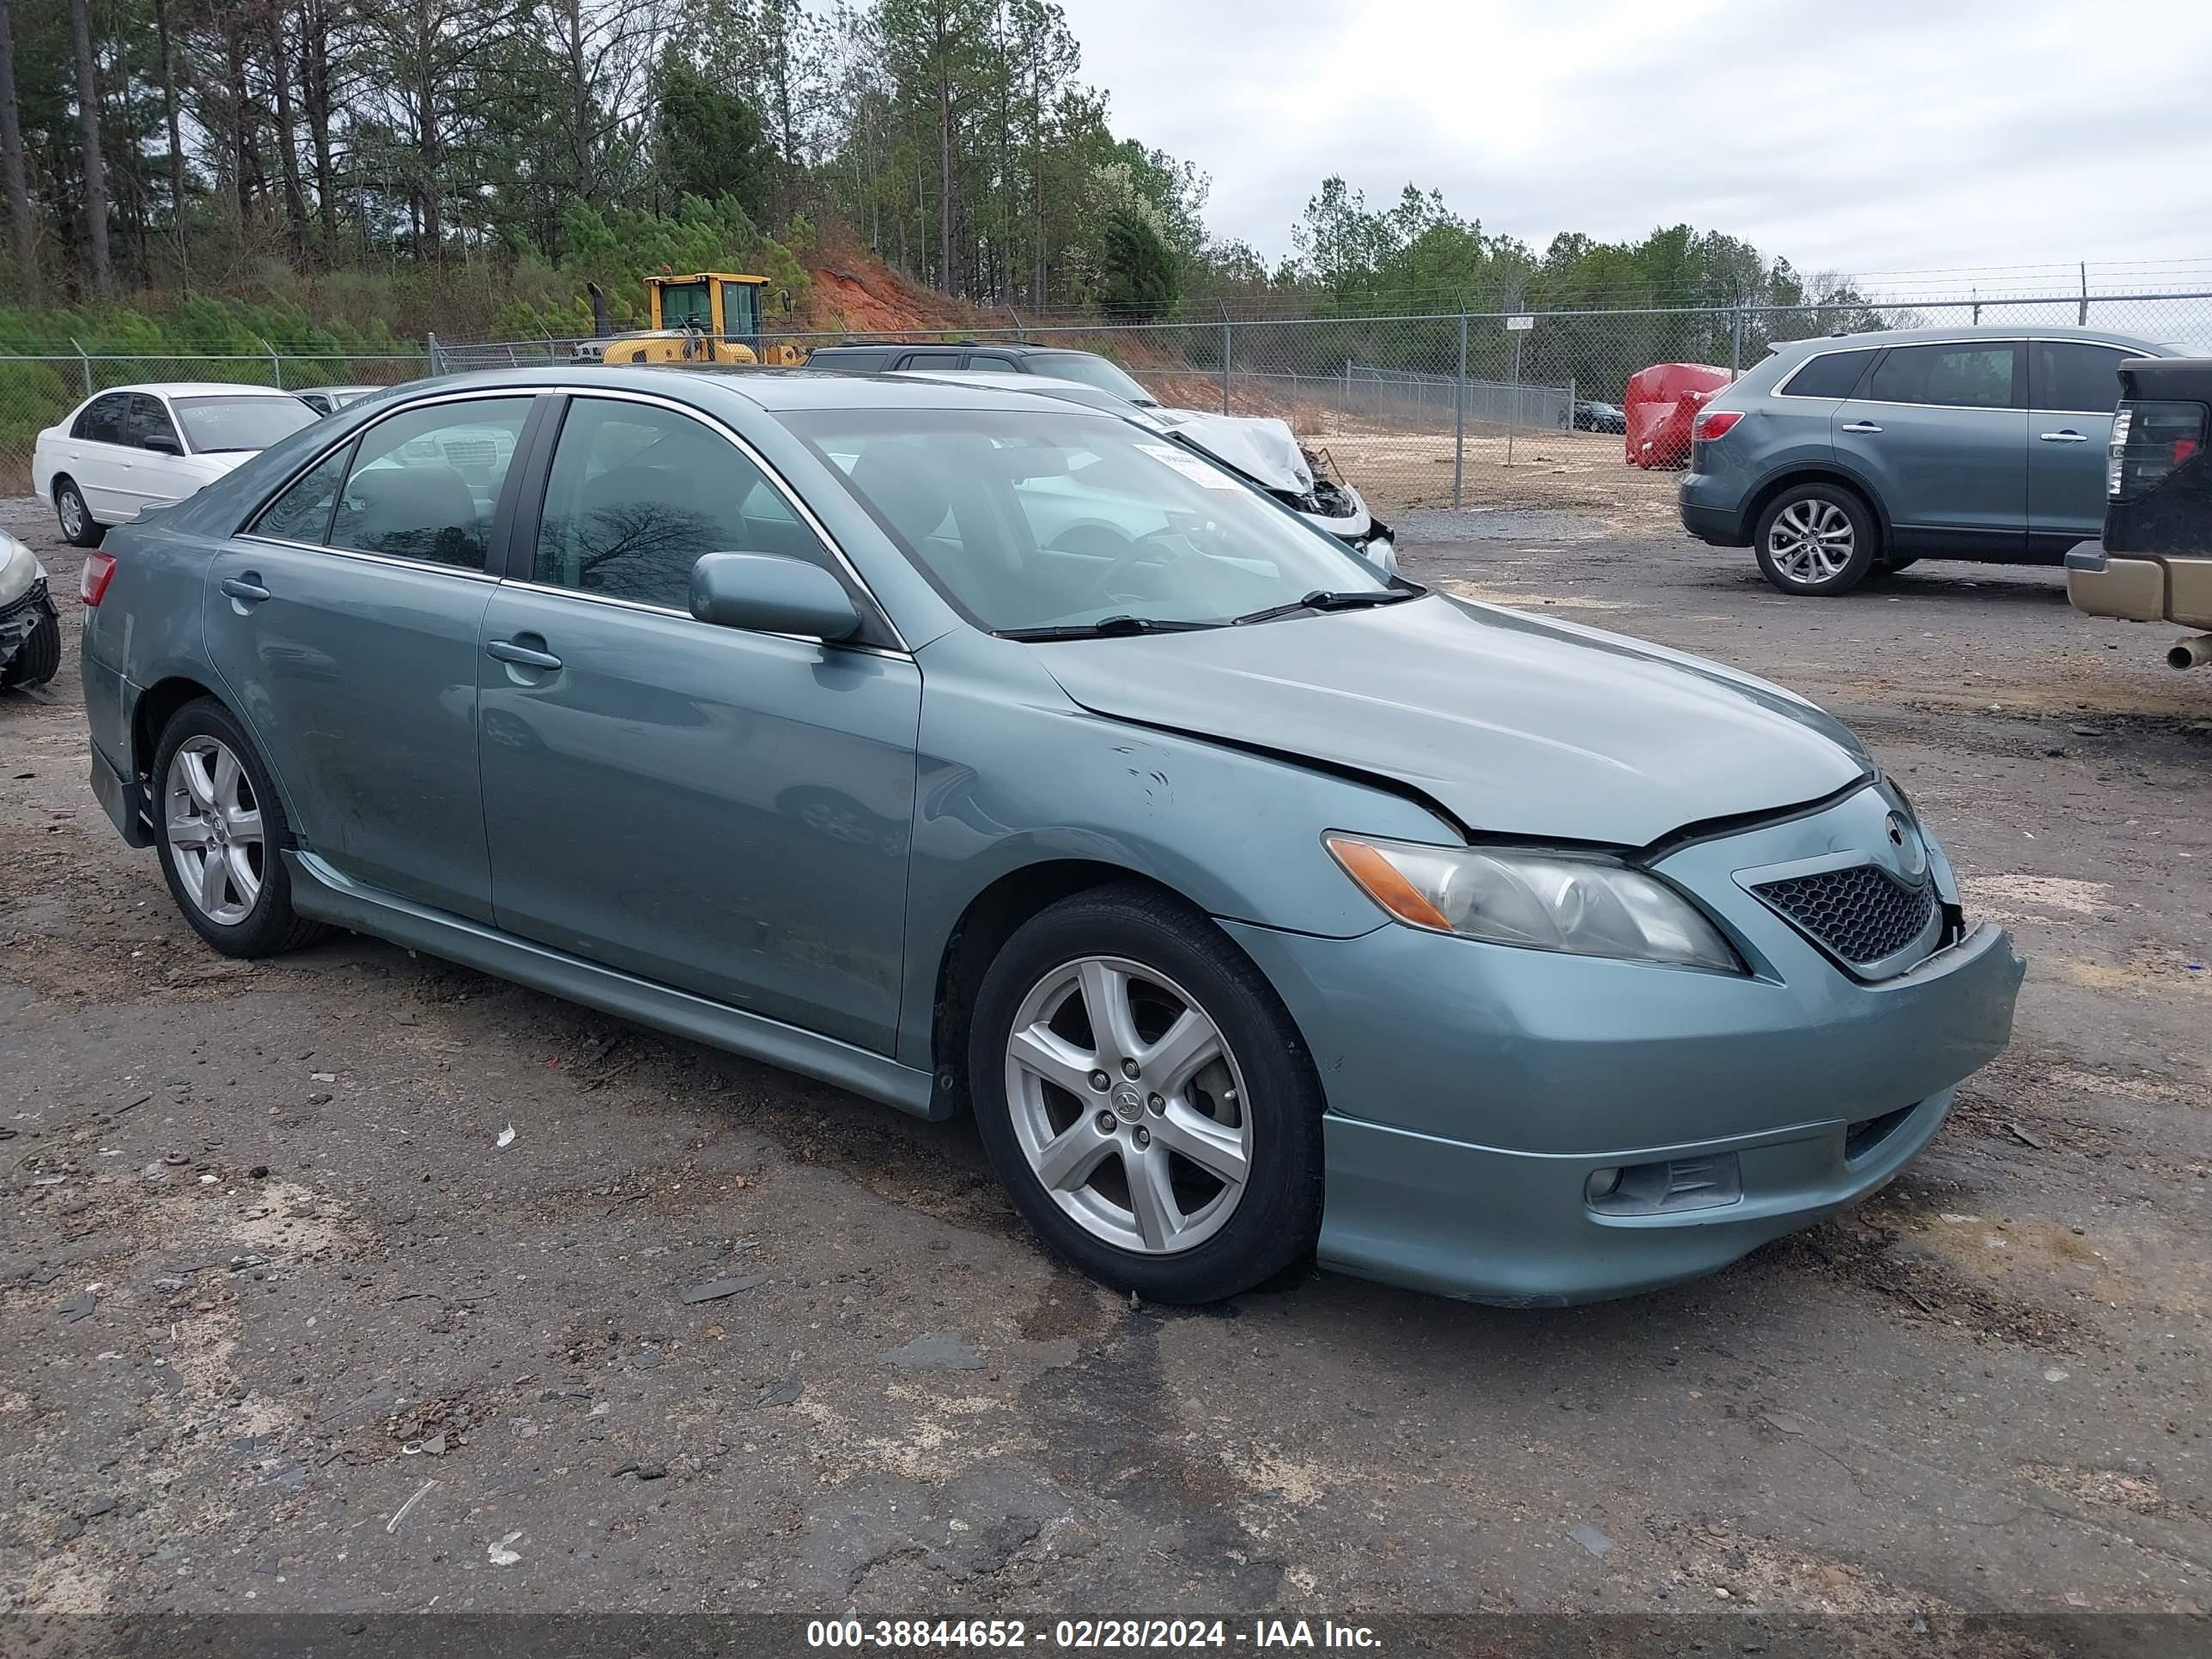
x=1602 y=1184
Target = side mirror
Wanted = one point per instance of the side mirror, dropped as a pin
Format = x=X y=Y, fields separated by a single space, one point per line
x=161 y=443
x=771 y=595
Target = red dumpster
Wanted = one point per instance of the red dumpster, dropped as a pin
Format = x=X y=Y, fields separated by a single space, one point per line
x=1662 y=401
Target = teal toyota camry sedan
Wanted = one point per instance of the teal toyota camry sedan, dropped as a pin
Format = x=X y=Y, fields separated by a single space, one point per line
x=982 y=757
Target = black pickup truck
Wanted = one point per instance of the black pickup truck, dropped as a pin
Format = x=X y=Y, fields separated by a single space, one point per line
x=2155 y=563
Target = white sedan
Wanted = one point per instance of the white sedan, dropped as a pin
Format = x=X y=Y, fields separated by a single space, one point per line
x=123 y=452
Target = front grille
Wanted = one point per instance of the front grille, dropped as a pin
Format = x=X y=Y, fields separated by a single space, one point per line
x=35 y=595
x=1861 y=914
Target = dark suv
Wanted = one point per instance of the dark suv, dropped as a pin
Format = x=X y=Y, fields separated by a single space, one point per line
x=1836 y=458
x=885 y=357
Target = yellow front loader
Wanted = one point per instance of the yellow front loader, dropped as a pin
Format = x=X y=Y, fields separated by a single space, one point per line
x=710 y=317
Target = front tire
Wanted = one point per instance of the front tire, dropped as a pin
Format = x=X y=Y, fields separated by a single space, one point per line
x=221 y=830
x=1816 y=540
x=78 y=527
x=40 y=657
x=1145 y=1099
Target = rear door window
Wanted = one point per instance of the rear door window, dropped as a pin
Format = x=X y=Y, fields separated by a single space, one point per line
x=1830 y=374
x=302 y=512
x=993 y=363
x=103 y=420
x=1977 y=375
x=854 y=362
x=932 y=360
x=2074 y=378
x=425 y=482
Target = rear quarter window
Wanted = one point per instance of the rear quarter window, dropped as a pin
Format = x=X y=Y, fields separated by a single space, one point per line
x=1830 y=374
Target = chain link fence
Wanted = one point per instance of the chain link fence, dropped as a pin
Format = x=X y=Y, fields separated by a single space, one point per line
x=1480 y=408
x=1465 y=410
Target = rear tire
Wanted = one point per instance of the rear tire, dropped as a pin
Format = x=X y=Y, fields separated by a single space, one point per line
x=1816 y=540
x=1179 y=1155
x=40 y=658
x=79 y=529
x=221 y=832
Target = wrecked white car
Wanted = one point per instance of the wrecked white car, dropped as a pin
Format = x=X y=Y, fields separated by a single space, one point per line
x=1265 y=452
x=30 y=627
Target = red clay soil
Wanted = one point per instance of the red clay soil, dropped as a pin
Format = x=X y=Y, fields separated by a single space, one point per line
x=861 y=296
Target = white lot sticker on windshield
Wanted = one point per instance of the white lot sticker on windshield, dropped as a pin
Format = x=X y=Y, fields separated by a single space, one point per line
x=1190 y=466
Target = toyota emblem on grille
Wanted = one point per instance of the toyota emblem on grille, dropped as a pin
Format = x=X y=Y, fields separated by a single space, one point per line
x=1912 y=855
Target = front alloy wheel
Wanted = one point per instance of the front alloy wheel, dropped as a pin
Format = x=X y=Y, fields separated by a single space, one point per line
x=1145 y=1097
x=1128 y=1106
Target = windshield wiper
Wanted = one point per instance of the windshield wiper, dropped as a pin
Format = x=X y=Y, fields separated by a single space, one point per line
x=1105 y=627
x=1322 y=599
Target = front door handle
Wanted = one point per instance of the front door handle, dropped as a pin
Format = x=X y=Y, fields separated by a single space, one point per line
x=244 y=589
x=521 y=655
x=2068 y=436
x=1861 y=426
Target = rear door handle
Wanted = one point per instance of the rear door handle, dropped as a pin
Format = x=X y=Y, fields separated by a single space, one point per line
x=244 y=589
x=2068 y=436
x=521 y=655
x=1861 y=426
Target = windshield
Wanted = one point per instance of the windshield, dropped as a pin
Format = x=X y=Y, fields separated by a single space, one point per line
x=1093 y=371
x=1046 y=520
x=213 y=424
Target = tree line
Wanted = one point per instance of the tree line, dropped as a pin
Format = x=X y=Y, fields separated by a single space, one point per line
x=480 y=158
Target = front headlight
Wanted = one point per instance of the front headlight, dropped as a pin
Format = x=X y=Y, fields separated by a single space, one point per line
x=19 y=569
x=1589 y=907
x=1382 y=555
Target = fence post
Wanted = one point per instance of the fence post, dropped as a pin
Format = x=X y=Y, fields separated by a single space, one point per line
x=1736 y=344
x=276 y=366
x=86 y=362
x=1225 y=344
x=430 y=349
x=2083 y=320
x=1459 y=416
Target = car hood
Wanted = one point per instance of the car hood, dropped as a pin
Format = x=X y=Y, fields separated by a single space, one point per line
x=1257 y=446
x=1516 y=725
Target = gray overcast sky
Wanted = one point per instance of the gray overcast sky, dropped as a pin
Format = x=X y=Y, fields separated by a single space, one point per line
x=1875 y=136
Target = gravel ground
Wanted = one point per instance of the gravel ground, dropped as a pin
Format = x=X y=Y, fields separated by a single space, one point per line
x=284 y=1325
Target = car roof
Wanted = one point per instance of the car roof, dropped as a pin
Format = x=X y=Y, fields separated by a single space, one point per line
x=1010 y=347
x=1883 y=336
x=197 y=389
x=770 y=389
x=1032 y=385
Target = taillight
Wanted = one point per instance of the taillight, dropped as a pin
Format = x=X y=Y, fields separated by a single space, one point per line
x=1715 y=423
x=99 y=571
x=2149 y=440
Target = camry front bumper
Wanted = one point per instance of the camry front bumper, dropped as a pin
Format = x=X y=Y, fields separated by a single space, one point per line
x=1522 y=1126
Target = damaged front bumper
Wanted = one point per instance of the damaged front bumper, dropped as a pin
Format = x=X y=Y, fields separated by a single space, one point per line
x=1337 y=510
x=22 y=615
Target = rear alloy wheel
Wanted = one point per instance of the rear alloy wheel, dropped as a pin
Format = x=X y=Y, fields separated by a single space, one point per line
x=1145 y=1099
x=1816 y=539
x=78 y=529
x=221 y=832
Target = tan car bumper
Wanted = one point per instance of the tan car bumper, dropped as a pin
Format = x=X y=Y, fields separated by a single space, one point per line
x=2141 y=587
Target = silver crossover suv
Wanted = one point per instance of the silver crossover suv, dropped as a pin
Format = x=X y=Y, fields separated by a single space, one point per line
x=1837 y=458
x=984 y=756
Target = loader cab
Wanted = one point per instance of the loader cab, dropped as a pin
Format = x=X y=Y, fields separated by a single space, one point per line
x=718 y=304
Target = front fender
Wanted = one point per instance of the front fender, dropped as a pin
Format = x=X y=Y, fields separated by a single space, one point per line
x=1012 y=775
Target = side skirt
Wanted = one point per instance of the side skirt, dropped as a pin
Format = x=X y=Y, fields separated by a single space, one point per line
x=319 y=891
